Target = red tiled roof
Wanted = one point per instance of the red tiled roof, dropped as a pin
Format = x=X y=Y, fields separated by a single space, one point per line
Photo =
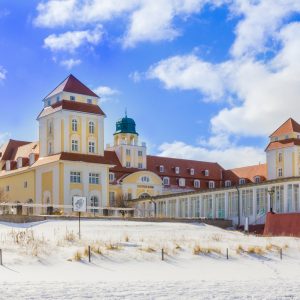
x=87 y=158
x=283 y=144
x=73 y=85
x=248 y=173
x=73 y=106
x=288 y=126
x=9 y=150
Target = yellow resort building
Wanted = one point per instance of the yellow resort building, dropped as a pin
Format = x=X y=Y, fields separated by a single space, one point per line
x=69 y=159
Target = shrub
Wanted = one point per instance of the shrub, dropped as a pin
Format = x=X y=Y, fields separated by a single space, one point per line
x=256 y=250
x=148 y=249
x=77 y=256
x=70 y=236
x=239 y=249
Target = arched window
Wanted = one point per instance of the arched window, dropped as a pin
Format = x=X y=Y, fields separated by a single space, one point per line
x=91 y=127
x=211 y=184
x=144 y=195
x=242 y=181
x=166 y=181
x=74 y=125
x=257 y=179
x=181 y=182
x=197 y=183
x=94 y=203
x=227 y=183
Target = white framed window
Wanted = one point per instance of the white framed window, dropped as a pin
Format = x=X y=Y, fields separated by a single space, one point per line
x=72 y=98
x=127 y=151
x=197 y=183
x=206 y=172
x=49 y=102
x=211 y=184
x=145 y=179
x=92 y=147
x=257 y=179
x=94 y=178
x=181 y=182
x=166 y=181
x=280 y=172
x=7 y=188
x=19 y=162
x=192 y=171
x=242 y=181
x=75 y=177
x=89 y=101
x=140 y=153
x=25 y=184
x=140 y=165
x=128 y=164
x=227 y=183
x=74 y=125
x=280 y=157
x=177 y=170
x=57 y=98
x=75 y=146
x=111 y=177
x=161 y=169
x=91 y=127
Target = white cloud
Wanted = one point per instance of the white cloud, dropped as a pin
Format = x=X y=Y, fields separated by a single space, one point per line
x=4 y=13
x=70 y=63
x=147 y=20
x=261 y=21
x=71 y=40
x=187 y=73
x=2 y=73
x=106 y=93
x=230 y=157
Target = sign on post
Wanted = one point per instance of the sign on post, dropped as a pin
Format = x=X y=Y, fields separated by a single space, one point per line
x=79 y=205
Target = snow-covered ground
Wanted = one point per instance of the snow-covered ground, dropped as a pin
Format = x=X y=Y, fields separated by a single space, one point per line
x=47 y=261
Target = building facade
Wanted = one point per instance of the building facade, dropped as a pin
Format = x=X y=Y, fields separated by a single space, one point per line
x=70 y=159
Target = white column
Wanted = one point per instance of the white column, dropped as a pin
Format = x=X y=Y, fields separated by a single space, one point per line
x=189 y=207
x=213 y=206
x=254 y=205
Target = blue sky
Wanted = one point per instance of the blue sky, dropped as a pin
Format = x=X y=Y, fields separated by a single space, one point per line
x=207 y=80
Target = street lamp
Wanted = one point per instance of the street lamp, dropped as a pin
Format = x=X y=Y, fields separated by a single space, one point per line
x=271 y=193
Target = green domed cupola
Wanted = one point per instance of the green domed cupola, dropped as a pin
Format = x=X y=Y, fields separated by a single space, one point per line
x=125 y=125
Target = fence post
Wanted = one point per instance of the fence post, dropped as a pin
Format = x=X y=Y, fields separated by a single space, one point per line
x=162 y=254
x=227 y=256
x=89 y=253
x=280 y=252
x=1 y=257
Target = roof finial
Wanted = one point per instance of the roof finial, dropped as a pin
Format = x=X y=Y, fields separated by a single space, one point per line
x=125 y=112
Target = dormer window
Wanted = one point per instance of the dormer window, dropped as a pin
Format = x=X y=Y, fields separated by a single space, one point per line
x=257 y=179
x=31 y=158
x=206 y=172
x=197 y=183
x=72 y=98
x=111 y=177
x=19 y=162
x=161 y=169
x=211 y=184
x=276 y=139
x=177 y=170
x=242 y=181
x=286 y=136
x=57 y=98
x=192 y=171
x=7 y=165
x=181 y=182
x=89 y=101
x=227 y=183
x=166 y=181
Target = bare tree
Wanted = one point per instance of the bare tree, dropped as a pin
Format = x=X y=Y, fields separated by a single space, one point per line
x=122 y=202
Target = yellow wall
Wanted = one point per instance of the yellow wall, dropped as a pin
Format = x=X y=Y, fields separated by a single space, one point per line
x=47 y=184
x=17 y=191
